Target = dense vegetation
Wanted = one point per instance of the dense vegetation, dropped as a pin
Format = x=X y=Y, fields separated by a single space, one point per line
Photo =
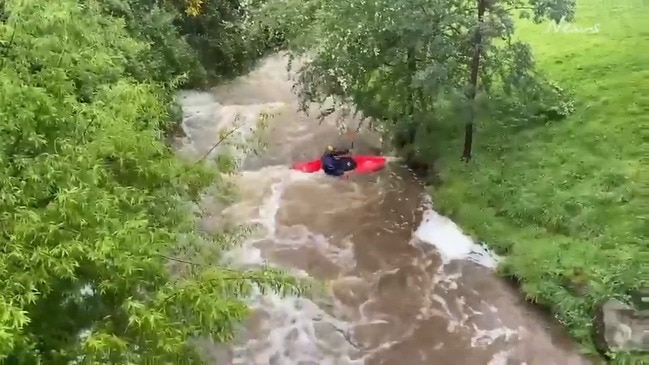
x=99 y=262
x=553 y=182
x=567 y=201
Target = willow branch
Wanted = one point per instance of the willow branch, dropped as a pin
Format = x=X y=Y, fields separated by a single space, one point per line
x=221 y=140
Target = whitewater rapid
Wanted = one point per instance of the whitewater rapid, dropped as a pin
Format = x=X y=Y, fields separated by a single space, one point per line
x=402 y=284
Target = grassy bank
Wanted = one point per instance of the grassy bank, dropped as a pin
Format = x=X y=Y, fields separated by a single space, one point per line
x=563 y=200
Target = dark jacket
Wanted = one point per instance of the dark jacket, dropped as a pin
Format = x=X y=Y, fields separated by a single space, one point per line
x=332 y=166
x=337 y=166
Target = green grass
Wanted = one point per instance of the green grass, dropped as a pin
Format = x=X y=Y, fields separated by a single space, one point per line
x=564 y=201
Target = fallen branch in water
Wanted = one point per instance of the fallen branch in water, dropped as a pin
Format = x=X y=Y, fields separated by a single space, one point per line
x=221 y=140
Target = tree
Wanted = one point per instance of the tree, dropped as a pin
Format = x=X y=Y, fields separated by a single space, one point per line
x=223 y=34
x=473 y=80
x=168 y=56
x=99 y=262
x=414 y=66
x=203 y=41
x=482 y=35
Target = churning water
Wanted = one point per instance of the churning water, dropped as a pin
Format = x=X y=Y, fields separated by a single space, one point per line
x=404 y=285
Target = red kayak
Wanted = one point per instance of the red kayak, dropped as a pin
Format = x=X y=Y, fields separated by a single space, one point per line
x=366 y=164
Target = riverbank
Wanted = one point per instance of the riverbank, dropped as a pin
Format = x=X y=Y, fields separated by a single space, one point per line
x=562 y=201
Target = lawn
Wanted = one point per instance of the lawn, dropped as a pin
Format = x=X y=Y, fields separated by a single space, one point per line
x=564 y=201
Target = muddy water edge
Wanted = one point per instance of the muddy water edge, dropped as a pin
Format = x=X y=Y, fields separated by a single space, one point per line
x=404 y=285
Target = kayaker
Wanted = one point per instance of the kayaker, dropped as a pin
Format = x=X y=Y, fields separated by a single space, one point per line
x=337 y=159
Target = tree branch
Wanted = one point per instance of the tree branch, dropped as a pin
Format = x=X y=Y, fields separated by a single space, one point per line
x=454 y=29
x=179 y=260
x=519 y=8
x=327 y=112
x=221 y=140
x=360 y=125
x=245 y=275
x=9 y=45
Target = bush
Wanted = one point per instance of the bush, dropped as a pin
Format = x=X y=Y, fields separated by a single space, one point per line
x=168 y=56
x=93 y=203
x=226 y=37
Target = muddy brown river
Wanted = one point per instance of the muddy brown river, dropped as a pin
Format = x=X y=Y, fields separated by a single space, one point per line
x=404 y=285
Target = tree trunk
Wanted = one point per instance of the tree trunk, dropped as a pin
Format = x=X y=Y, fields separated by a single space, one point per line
x=473 y=83
x=412 y=69
x=409 y=107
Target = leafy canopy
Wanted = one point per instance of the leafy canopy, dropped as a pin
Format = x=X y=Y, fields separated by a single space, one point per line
x=93 y=204
x=406 y=64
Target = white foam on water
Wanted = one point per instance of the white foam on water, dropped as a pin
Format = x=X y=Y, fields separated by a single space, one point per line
x=292 y=329
x=484 y=338
x=451 y=243
x=206 y=121
x=500 y=358
x=279 y=177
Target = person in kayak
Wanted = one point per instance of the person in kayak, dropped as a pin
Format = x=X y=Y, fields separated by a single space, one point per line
x=337 y=159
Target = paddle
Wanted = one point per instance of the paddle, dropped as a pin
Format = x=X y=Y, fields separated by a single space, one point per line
x=351 y=135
